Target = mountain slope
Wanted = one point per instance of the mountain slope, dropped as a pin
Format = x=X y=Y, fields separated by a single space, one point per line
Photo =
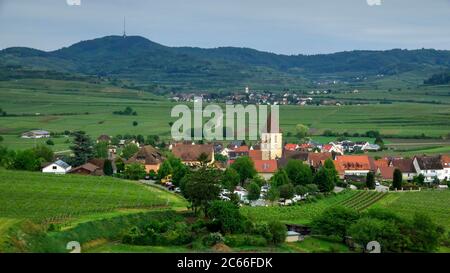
x=185 y=68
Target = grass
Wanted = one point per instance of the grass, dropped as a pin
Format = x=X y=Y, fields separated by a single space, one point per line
x=37 y=196
x=298 y=214
x=431 y=202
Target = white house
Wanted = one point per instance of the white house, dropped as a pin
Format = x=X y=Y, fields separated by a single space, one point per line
x=36 y=134
x=445 y=159
x=57 y=167
x=430 y=167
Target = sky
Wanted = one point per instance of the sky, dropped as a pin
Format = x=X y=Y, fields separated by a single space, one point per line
x=279 y=26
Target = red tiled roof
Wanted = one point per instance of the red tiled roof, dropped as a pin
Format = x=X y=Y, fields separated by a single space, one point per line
x=386 y=172
x=243 y=148
x=352 y=162
x=265 y=166
x=255 y=154
x=445 y=161
x=290 y=147
x=188 y=152
x=315 y=159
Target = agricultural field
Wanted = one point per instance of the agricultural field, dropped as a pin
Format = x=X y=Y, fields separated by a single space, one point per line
x=69 y=198
x=57 y=106
x=298 y=214
x=433 y=203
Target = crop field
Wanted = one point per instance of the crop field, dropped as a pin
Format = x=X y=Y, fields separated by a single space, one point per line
x=57 y=106
x=362 y=200
x=57 y=198
x=433 y=203
x=299 y=214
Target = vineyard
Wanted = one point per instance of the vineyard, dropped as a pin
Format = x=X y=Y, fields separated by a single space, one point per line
x=55 y=198
x=362 y=200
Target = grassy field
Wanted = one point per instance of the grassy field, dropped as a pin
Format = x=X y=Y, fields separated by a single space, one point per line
x=36 y=196
x=433 y=203
x=309 y=245
x=300 y=214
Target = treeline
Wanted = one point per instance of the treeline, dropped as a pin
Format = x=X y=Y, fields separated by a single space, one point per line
x=127 y=112
x=26 y=160
x=375 y=134
x=437 y=79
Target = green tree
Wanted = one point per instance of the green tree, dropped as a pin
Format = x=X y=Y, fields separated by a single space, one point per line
x=50 y=142
x=129 y=150
x=120 y=165
x=425 y=234
x=135 y=123
x=43 y=152
x=419 y=179
x=273 y=194
x=201 y=187
x=286 y=191
x=82 y=148
x=397 y=180
x=227 y=216
x=298 y=172
x=279 y=178
x=334 y=221
x=324 y=179
x=329 y=165
x=108 y=168
x=231 y=179
x=26 y=160
x=179 y=170
x=370 y=181
x=244 y=167
x=254 y=191
x=101 y=149
x=165 y=169
x=135 y=171
x=1 y=138
x=278 y=232
x=301 y=130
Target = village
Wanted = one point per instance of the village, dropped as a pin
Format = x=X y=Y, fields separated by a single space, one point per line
x=351 y=160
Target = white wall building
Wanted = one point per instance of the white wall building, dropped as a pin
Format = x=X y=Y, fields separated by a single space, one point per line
x=57 y=167
x=430 y=167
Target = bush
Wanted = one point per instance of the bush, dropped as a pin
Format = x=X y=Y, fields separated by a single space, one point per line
x=227 y=216
x=50 y=142
x=278 y=231
x=212 y=239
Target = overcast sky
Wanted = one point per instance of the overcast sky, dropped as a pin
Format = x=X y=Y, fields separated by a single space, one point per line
x=280 y=26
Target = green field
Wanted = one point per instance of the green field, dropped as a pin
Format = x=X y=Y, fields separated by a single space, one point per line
x=433 y=203
x=65 y=198
x=57 y=106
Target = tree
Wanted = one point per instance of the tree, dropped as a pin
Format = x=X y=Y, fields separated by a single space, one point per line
x=278 y=232
x=279 y=178
x=328 y=164
x=129 y=150
x=370 y=181
x=230 y=179
x=135 y=171
x=43 y=152
x=120 y=165
x=108 y=168
x=179 y=170
x=135 y=123
x=419 y=179
x=226 y=215
x=101 y=149
x=203 y=159
x=397 y=180
x=301 y=130
x=298 y=172
x=1 y=138
x=82 y=148
x=50 y=142
x=379 y=142
x=254 y=191
x=273 y=194
x=165 y=169
x=200 y=187
x=26 y=160
x=244 y=167
x=324 y=179
x=425 y=234
x=334 y=221
x=286 y=191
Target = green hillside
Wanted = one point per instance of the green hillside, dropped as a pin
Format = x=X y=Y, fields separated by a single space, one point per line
x=144 y=62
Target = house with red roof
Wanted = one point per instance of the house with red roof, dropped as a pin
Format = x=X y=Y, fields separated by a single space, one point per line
x=354 y=165
x=333 y=148
x=266 y=168
x=291 y=147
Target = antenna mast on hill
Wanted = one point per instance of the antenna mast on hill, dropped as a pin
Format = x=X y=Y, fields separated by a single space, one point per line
x=124 y=28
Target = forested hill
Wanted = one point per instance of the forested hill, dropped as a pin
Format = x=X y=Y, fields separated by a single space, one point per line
x=142 y=61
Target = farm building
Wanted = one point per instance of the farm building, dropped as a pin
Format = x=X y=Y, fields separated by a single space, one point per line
x=57 y=167
x=191 y=153
x=87 y=169
x=36 y=134
x=430 y=167
x=150 y=157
